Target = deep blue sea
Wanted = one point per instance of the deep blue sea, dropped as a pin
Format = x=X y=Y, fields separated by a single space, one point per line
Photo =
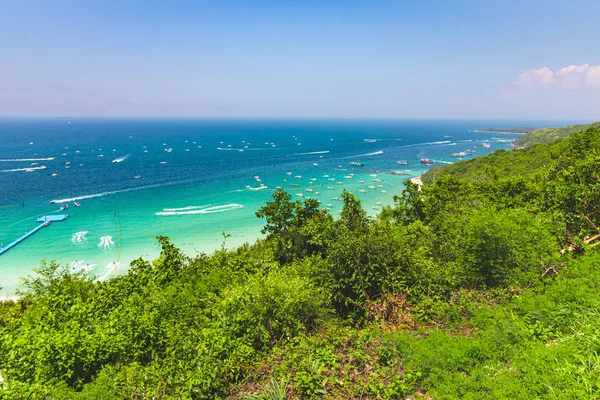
x=192 y=179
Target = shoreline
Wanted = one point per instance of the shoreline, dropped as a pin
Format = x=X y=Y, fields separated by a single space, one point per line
x=500 y=132
x=192 y=244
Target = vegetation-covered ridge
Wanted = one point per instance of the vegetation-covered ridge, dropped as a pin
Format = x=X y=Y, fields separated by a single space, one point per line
x=517 y=129
x=481 y=284
x=547 y=135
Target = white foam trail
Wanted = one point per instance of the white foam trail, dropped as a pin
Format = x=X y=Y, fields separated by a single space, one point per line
x=79 y=237
x=443 y=162
x=26 y=159
x=91 y=196
x=440 y=142
x=111 y=268
x=207 y=210
x=106 y=242
x=375 y=153
x=121 y=159
x=310 y=153
x=244 y=149
x=186 y=208
x=262 y=187
x=23 y=169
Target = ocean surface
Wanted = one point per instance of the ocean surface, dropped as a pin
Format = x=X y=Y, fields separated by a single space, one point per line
x=193 y=179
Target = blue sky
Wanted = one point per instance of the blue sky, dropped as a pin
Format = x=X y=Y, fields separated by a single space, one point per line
x=304 y=58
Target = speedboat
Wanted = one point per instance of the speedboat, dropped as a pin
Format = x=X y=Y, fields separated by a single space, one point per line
x=64 y=207
x=402 y=163
x=426 y=161
x=357 y=164
x=460 y=154
x=76 y=204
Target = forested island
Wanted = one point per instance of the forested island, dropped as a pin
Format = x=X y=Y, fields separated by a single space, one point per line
x=522 y=130
x=481 y=284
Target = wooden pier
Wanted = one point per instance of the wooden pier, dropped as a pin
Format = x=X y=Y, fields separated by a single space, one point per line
x=44 y=221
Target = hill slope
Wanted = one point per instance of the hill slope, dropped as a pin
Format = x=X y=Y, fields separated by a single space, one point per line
x=547 y=135
x=459 y=291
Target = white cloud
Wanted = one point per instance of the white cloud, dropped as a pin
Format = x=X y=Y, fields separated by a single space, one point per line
x=570 y=77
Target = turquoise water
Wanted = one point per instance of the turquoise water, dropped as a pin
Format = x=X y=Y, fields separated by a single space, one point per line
x=188 y=178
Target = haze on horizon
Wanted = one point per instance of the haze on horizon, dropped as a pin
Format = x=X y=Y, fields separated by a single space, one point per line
x=418 y=59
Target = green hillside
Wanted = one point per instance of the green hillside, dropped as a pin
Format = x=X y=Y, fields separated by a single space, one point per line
x=481 y=284
x=546 y=135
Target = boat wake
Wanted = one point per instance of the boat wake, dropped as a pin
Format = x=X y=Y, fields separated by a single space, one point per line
x=26 y=159
x=443 y=162
x=23 y=169
x=310 y=153
x=375 y=153
x=111 y=268
x=244 y=149
x=195 y=210
x=79 y=237
x=434 y=143
x=261 y=187
x=91 y=196
x=121 y=159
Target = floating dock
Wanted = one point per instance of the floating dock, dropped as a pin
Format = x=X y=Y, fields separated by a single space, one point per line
x=43 y=222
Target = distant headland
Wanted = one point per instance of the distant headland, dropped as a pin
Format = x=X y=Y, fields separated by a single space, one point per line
x=519 y=130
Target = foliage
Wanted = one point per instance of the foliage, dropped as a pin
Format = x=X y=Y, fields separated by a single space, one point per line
x=481 y=284
x=546 y=135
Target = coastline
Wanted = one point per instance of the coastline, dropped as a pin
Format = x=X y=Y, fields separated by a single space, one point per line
x=500 y=132
x=202 y=238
